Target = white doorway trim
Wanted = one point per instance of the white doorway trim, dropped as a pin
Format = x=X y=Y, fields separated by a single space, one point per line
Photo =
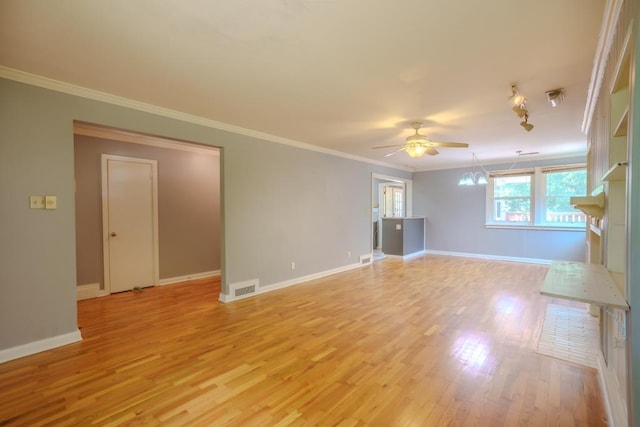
x=105 y=215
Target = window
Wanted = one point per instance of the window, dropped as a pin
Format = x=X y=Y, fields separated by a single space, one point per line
x=559 y=187
x=536 y=197
x=393 y=201
x=512 y=199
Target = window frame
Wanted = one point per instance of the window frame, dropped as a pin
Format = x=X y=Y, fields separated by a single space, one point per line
x=537 y=198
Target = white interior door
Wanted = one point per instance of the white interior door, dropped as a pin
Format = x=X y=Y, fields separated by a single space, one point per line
x=129 y=196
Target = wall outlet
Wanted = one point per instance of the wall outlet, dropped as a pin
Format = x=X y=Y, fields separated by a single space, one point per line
x=349 y=254
x=293 y=265
x=36 y=202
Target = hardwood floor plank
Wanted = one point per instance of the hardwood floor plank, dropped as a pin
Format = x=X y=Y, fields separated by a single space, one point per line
x=431 y=341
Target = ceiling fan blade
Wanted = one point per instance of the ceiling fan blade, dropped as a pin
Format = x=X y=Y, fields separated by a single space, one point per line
x=394 y=152
x=431 y=151
x=449 y=144
x=387 y=146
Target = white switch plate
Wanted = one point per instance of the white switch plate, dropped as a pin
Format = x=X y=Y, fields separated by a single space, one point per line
x=50 y=202
x=36 y=202
x=398 y=226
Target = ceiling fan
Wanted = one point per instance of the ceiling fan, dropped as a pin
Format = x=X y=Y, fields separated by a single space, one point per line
x=418 y=145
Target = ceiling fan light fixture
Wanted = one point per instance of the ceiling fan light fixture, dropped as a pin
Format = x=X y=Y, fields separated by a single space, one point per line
x=416 y=150
x=417 y=139
x=417 y=145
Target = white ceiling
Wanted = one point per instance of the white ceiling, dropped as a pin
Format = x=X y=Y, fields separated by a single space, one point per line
x=342 y=74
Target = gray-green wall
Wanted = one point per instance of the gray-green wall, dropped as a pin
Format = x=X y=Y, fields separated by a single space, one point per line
x=280 y=204
x=188 y=207
x=455 y=220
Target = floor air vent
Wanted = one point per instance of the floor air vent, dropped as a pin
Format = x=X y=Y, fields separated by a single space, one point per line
x=238 y=292
x=242 y=289
x=366 y=259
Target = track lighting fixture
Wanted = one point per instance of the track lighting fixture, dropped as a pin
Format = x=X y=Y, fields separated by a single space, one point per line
x=520 y=107
x=516 y=97
x=555 y=96
x=520 y=111
x=525 y=123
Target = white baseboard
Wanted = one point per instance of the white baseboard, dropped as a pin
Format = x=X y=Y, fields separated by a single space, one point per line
x=613 y=402
x=90 y=290
x=408 y=256
x=296 y=281
x=39 y=346
x=491 y=257
x=185 y=278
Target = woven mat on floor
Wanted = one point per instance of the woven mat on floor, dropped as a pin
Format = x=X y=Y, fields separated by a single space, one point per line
x=570 y=334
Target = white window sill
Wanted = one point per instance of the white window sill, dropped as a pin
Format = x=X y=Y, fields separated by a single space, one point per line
x=535 y=227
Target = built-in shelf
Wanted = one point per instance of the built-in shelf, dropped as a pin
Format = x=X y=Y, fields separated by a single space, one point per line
x=619 y=279
x=578 y=281
x=618 y=172
x=621 y=127
x=595 y=229
x=591 y=205
x=621 y=72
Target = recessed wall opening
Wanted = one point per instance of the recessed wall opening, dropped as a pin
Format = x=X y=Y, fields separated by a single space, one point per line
x=185 y=197
x=390 y=197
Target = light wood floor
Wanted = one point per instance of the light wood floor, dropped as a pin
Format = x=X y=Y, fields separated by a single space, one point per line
x=430 y=342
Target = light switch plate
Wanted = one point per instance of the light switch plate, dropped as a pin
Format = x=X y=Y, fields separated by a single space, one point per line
x=50 y=202
x=36 y=202
x=398 y=226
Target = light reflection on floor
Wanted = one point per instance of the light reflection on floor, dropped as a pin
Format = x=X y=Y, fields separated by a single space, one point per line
x=472 y=350
x=508 y=304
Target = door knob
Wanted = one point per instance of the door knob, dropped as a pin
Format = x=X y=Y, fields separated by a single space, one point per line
x=113 y=234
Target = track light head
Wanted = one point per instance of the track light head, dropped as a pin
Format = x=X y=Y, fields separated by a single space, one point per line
x=520 y=110
x=516 y=97
x=520 y=107
x=527 y=126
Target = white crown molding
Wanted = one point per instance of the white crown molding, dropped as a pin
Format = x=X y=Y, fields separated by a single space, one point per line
x=87 y=129
x=501 y=162
x=605 y=40
x=83 y=92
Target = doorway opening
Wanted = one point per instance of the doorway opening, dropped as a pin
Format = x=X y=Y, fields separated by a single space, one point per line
x=391 y=197
x=185 y=242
